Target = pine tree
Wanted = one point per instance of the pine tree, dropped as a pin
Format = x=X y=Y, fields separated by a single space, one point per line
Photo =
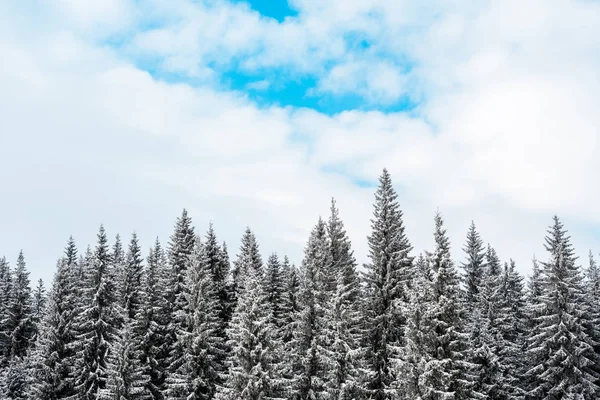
x=559 y=351
x=474 y=267
x=5 y=320
x=290 y=300
x=445 y=371
x=218 y=264
x=54 y=355
x=387 y=277
x=253 y=374
x=15 y=379
x=39 y=305
x=342 y=315
x=248 y=259
x=198 y=375
x=592 y=325
x=482 y=325
x=21 y=323
x=127 y=378
x=98 y=324
x=274 y=287
x=181 y=248
x=512 y=330
x=307 y=367
x=154 y=317
x=133 y=276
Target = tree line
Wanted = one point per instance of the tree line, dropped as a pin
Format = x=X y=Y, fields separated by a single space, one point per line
x=185 y=323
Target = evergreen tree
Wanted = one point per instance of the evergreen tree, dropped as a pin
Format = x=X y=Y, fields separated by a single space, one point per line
x=308 y=362
x=127 y=378
x=218 y=264
x=445 y=371
x=559 y=351
x=474 y=267
x=592 y=296
x=98 y=324
x=181 y=248
x=20 y=308
x=154 y=317
x=54 y=355
x=198 y=375
x=386 y=279
x=290 y=301
x=248 y=259
x=133 y=279
x=253 y=374
x=274 y=287
x=15 y=379
x=342 y=315
x=5 y=320
x=39 y=305
x=512 y=329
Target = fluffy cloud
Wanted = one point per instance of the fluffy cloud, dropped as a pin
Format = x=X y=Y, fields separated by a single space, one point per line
x=505 y=130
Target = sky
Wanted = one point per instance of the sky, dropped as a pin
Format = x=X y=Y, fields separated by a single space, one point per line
x=256 y=113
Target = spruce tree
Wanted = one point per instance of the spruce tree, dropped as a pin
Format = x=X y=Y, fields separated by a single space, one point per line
x=274 y=287
x=127 y=378
x=181 y=247
x=474 y=267
x=133 y=271
x=253 y=374
x=592 y=296
x=446 y=373
x=198 y=375
x=39 y=305
x=154 y=346
x=559 y=351
x=54 y=355
x=5 y=320
x=218 y=264
x=290 y=301
x=342 y=315
x=307 y=368
x=248 y=259
x=98 y=324
x=387 y=278
x=21 y=323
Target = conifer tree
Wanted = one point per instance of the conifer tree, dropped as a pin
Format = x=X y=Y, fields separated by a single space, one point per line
x=474 y=267
x=20 y=308
x=387 y=278
x=53 y=356
x=5 y=320
x=342 y=315
x=181 y=248
x=133 y=279
x=198 y=375
x=253 y=374
x=291 y=301
x=559 y=351
x=308 y=362
x=247 y=259
x=218 y=264
x=127 y=378
x=98 y=324
x=274 y=287
x=445 y=373
x=154 y=317
x=39 y=305
x=512 y=329
x=592 y=297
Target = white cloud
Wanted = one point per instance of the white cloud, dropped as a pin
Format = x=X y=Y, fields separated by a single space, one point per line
x=506 y=133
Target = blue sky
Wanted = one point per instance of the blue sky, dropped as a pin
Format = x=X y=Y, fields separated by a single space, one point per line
x=123 y=112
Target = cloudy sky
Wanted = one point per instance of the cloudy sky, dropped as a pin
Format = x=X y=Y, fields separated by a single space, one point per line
x=258 y=112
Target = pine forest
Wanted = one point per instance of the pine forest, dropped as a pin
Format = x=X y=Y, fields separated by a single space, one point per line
x=184 y=321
